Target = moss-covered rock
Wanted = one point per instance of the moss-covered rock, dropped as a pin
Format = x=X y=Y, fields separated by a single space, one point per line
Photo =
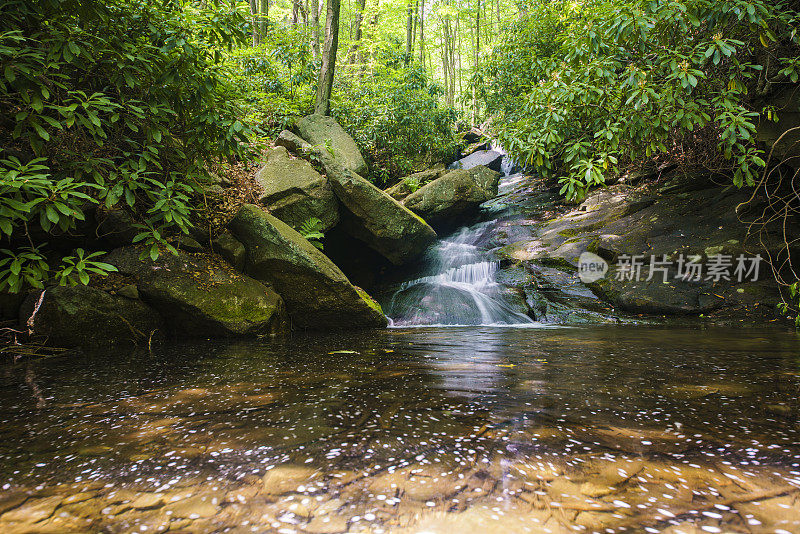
x=201 y=295
x=317 y=294
x=372 y=216
x=294 y=192
x=447 y=200
x=88 y=318
x=405 y=186
x=325 y=132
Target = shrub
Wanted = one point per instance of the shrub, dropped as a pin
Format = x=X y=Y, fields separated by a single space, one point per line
x=626 y=80
x=117 y=102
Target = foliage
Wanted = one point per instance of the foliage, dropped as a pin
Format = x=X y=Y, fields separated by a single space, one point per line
x=311 y=229
x=395 y=116
x=119 y=102
x=412 y=183
x=627 y=79
x=277 y=78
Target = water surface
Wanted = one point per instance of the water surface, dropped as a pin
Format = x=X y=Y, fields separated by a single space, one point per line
x=478 y=429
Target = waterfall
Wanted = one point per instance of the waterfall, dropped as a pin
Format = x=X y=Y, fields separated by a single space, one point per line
x=459 y=285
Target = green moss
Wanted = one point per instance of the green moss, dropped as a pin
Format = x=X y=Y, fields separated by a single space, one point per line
x=371 y=302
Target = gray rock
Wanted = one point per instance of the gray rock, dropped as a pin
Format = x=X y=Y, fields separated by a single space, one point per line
x=317 y=294
x=294 y=192
x=325 y=132
x=447 y=200
x=372 y=216
x=402 y=189
x=201 y=295
x=488 y=158
x=231 y=249
x=88 y=318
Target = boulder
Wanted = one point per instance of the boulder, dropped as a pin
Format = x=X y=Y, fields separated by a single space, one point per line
x=87 y=317
x=407 y=185
x=326 y=133
x=447 y=200
x=372 y=216
x=230 y=249
x=294 y=192
x=115 y=227
x=293 y=143
x=317 y=294
x=488 y=158
x=201 y=295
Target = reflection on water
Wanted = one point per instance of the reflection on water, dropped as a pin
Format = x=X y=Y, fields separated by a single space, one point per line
x=592 y=429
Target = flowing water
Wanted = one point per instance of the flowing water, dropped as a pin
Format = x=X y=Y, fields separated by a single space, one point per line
x=458 y=284
x=460 y=290
x=448 y=430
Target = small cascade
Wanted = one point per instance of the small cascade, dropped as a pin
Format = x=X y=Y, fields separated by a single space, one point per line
x=458 y=288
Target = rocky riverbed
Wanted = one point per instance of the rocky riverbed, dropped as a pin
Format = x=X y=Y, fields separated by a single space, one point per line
x=418 y=430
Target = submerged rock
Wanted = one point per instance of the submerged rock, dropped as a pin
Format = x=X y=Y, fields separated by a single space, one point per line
x=201 y=295
x=445 y=201
x=88 y=317
x=317 y=293
x=325 y=132
x=372 y=216
x=294 y=192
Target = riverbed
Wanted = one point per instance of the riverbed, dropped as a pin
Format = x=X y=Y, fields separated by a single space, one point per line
x=446 y=430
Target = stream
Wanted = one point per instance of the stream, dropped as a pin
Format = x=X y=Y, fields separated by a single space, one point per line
x=466 y=416
x=460 y=429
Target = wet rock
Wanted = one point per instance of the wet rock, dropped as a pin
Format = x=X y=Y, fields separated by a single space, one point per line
x=446 y=201
x=33 y=510
x=326 y=524
x=199 y=506
x=230 y=249
x=325 y=132
x=148 y=500
x=488 y=158
x=200 y=295
x=295 y=192
x=287 y=478
x=372 y=216
x=88 y=317
x=317 y=293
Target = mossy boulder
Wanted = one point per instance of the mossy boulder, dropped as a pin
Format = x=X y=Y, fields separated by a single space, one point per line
x=326 y=133
x=403 y=188
x=294 y=192
x=372 y=216
x=202 y=295
x=317 y=294
x=88 y=318
x=230 y=249
x=446 y=201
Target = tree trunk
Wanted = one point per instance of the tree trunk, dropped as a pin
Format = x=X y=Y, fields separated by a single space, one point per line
x=263 y=17
x=315 y=44
x=477 y=61
x=353 y=54
x=409 y=29
x=325 y=84
x=422 y=33
x=254 y=20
